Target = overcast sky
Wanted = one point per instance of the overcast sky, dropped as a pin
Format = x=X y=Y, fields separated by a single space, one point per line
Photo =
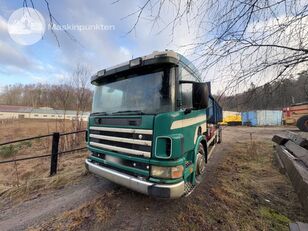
x=46 y=62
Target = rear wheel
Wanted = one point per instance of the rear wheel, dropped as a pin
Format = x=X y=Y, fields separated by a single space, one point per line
x=302 y=123
x=200 y=164
x=219 y=136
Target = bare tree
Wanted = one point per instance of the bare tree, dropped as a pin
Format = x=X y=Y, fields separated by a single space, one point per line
x=74 y=90
x=250 y=39
x=80 y=83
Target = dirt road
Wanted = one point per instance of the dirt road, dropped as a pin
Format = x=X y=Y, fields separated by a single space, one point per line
x=43 y=207
x=97 y=204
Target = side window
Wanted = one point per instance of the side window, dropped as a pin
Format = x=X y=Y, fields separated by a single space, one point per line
x=186 y=92
x=186 y=89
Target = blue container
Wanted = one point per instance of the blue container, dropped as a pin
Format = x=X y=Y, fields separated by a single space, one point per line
x=249 y=118
x=262 y=118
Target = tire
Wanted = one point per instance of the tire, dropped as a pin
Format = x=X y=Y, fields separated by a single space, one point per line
x=219 y=136
x=302 y=123
x=200 y=164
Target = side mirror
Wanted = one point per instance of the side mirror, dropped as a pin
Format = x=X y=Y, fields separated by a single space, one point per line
x=200 y=95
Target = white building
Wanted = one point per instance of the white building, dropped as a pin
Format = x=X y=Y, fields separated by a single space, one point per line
x=18 y=112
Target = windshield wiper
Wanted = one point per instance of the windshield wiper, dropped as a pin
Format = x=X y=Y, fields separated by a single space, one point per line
x=98 y=114
x=138 y=112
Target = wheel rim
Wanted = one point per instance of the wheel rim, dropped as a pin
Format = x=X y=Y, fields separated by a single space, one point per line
x=200 y=167
x=200 y=164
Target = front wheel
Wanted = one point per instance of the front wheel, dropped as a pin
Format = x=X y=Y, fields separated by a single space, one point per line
x=200 y=164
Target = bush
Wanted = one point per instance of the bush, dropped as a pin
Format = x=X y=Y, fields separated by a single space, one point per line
x=26 y=144
x=8 y=151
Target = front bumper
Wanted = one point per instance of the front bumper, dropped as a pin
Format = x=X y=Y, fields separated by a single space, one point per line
x=152 y=189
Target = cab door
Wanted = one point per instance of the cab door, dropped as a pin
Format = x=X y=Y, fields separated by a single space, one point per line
x=193 y=121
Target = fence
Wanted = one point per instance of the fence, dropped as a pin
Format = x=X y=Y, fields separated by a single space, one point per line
x=54 y=149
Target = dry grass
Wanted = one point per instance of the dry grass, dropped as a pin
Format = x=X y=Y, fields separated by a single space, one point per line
x=24 y=128
x=97 y=211
x=247 y=192
x=24 y=179
x=36 y=180
x=250 y=195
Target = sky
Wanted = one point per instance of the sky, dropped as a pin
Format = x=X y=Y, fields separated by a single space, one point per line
x=53 y=58
x=47 y=62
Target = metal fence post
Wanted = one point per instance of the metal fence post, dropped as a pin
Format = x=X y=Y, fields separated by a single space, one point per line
x=54 y=153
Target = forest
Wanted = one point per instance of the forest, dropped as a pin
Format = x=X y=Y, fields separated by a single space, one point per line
x=273 y=95
x=59 y=96
x=73 y=93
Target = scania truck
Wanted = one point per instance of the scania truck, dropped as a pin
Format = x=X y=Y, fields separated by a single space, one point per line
x=153 y=125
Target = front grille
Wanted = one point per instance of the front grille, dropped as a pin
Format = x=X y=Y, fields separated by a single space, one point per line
x=128 y=163
x=123 y=135
x=118 y=121
x=122 y=140
x=122 y=144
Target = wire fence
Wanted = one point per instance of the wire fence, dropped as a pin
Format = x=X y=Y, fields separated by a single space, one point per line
x=56 y=139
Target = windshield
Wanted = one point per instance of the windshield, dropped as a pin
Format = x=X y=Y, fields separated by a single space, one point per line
x=148 y=93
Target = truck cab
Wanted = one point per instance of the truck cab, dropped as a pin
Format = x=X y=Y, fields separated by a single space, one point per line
x=152 y=125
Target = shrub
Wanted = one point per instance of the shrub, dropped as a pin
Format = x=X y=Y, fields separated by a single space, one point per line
x=8 y=151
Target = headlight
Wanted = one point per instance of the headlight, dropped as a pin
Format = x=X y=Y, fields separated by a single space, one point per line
x=167 y=172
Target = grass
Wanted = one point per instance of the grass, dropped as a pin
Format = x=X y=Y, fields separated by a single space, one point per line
x=246 y=192
x=97 y=211
x=37 y=180
x=278 y=221
x=250 y=194
x=21 y=179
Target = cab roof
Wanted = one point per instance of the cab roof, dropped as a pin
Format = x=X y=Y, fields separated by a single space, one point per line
x=155 y=58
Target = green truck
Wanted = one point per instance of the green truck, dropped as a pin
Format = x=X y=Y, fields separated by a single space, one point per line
x=153 y=125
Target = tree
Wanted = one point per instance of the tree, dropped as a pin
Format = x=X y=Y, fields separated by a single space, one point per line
x=303 y=81
x=245 y=40
x=249 y=39
x=80 y=83
x=275 y=95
